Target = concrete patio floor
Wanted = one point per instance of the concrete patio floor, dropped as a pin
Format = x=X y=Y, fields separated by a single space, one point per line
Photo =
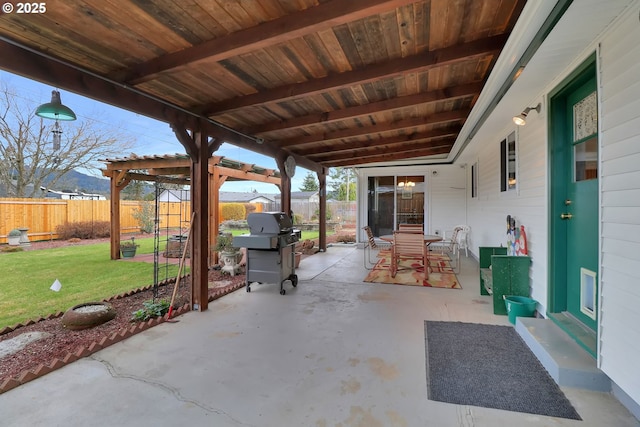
x=334 y=351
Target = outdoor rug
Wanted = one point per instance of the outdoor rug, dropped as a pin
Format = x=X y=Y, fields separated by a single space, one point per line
x=492 y=367
x=412 y=273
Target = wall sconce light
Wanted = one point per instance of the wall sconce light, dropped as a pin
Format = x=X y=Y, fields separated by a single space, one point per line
x=54 y=110
x=521 y=119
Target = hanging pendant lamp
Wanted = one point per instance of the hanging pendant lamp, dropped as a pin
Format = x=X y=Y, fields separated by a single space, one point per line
x=55 y=110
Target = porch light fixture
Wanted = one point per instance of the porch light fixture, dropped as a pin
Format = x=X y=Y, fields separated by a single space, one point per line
x=55 y=110
x=521 y=119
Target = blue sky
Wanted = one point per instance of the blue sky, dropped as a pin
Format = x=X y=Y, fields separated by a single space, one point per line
x=151 y=136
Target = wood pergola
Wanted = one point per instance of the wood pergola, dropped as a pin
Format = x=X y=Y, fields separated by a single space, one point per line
x=177 y=169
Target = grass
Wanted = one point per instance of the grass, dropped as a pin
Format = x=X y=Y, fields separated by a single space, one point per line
x=305 y=234
x=86 y=273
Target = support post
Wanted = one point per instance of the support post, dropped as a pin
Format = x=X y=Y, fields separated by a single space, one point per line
x=322 y=221
x=117 y=182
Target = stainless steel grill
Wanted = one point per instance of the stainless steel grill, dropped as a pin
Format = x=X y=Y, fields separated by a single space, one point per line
x=270 y=249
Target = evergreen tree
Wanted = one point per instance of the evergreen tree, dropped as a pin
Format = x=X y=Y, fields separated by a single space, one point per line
x=310 y=183
x=340 y=178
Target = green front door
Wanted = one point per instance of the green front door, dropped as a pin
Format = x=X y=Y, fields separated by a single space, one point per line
x=581 y=203
x=574 y=204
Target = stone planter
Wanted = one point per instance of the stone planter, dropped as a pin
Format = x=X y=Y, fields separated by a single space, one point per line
x=14 y=237
x=230 y=261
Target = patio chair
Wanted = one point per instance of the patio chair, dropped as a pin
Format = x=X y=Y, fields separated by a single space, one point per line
x=370 y=246
x=408 y=245
x=463 y=239
x=451 y=247
x=411 y=228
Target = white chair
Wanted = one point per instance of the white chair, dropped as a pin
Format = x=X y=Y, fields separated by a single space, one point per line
x=463 y=236
x=372 y=245
x=451 y=246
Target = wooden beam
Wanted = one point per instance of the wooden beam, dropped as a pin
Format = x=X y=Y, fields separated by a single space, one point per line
x=490 y=46
x=371 y=142
x=390 y=157
x=248 y=176
x=295 y=25
x=445 y=117
x=405 y=147
x=128 y=164
x=446 y=94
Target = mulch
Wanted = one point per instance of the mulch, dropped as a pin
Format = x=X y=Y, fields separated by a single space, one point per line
x=62 y=346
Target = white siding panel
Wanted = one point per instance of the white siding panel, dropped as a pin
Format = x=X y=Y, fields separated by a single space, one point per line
x=626 y=181
x=487 y=213
x=620 y=239
x=620 y=148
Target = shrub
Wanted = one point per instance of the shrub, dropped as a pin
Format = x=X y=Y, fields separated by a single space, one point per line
x=346 y=238
x=145 y=216
x=234 y=225
x=11 y=249
x=297 y=218
x=84 y=230
x=151 y=309
x=234 y=211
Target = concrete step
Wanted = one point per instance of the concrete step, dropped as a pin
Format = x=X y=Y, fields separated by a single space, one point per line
x=567 y=363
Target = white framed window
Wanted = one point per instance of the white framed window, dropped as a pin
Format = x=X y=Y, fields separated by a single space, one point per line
x=509 y=163
x=474 y=180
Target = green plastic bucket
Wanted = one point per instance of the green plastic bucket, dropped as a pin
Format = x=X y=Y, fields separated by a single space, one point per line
x=519 y=306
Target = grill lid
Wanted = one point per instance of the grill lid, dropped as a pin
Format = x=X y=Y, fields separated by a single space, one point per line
x=269 y=223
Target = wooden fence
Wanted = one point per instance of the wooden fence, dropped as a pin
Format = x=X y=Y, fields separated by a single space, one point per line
x=43 y=216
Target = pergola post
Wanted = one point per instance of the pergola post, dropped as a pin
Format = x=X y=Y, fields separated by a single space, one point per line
x=117 y=183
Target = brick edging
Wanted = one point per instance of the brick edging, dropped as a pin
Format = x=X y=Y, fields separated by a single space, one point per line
x=115 y=337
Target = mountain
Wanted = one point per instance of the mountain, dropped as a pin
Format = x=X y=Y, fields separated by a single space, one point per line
x=77 y=181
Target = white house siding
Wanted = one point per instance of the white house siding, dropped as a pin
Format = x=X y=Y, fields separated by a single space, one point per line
x=447 y=189
x=527 y=203
x=620 y=200
x=445 y=198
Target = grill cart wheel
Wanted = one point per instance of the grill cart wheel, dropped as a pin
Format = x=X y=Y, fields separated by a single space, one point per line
x=294 y=280
x=282 y=292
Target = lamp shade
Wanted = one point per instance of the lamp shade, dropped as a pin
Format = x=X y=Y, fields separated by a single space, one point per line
x=55 y=110
x=520 y=119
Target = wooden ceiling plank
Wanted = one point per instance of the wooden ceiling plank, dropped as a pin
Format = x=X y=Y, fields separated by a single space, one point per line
x=448 y=116
x=389 y=157
x=372 y=143
x=401 y=147
x=308 y=21
x=459 y=53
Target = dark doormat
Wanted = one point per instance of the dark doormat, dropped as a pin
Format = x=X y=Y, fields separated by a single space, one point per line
x=492 y=367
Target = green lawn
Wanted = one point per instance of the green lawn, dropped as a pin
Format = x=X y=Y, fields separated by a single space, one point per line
x=305 y=234
x=86 y=273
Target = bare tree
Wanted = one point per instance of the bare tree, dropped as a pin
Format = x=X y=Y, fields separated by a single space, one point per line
x=28 y=159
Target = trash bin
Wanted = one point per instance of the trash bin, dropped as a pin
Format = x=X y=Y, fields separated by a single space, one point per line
x=519 y=306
